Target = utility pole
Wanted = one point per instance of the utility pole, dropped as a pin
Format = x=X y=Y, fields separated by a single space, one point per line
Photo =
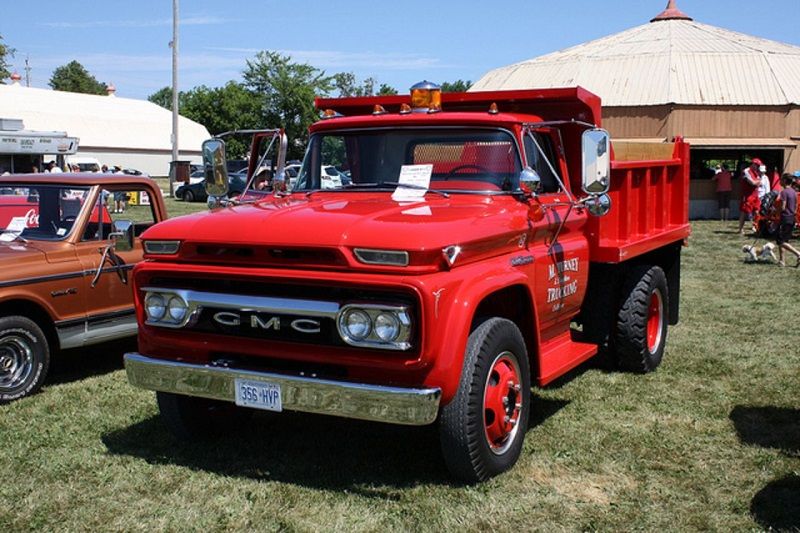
x=174 y=45
x=27 y=72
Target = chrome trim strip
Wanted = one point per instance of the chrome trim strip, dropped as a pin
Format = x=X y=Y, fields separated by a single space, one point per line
x=197 y=300
x=96 y=329
x=66 y=275
x=395 y=405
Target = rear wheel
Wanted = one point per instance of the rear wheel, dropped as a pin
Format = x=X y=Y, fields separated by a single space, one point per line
x=188 y=195
x=190 y=418
x=482 y=429
x=642 y=321
x=24 y=358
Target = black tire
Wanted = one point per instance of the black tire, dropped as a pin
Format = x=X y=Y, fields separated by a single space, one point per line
x=188 y=195
x=190 y=418
x=639 y=344
x=464 y=435
x=24 y=358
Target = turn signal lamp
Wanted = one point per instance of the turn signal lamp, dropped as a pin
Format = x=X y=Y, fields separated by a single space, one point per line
x=426 y=97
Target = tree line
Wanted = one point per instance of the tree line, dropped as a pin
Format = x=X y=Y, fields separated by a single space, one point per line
x=275 y=91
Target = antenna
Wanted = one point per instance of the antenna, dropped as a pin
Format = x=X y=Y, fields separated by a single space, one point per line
x=27 y=71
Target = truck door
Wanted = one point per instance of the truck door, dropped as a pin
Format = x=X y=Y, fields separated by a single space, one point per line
x=108 y=288
x=561 y=255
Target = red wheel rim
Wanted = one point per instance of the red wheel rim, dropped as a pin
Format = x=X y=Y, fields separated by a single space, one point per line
x=655 y=319
x=502 y=403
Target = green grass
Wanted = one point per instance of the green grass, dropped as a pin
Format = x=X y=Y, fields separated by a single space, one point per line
x=709 y=441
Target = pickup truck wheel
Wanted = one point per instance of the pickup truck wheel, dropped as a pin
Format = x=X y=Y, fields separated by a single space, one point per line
x=190 y=418
x=642 y=321
x=24 y=358
x=483 y=427
x=188 y=195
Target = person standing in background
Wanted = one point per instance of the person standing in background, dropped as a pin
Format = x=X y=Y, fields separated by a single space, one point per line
x=723 y=180
x=763 y=186
x=749 y=202
x=788 y=206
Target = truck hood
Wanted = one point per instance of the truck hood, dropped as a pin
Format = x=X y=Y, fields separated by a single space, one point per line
x=354 y=220
x=18 y=259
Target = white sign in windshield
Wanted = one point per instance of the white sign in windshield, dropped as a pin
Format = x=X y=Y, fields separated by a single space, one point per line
x=413 y=182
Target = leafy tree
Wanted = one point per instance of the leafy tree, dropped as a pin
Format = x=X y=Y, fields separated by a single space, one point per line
x=346 y=84
x=231 y=107
x=458 y=86
x=286 y=91
x=386 y=90
x=5 y=51
x=163 y=97
x=73 y=77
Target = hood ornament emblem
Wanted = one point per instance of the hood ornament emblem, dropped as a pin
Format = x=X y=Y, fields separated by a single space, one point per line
x=451 y=253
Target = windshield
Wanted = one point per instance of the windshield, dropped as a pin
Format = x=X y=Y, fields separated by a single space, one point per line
x=39 y=212
x=462 y=159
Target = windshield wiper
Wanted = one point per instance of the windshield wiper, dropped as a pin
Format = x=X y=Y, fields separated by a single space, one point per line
x=412 y=186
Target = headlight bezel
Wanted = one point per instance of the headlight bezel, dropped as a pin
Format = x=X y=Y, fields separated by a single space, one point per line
x=167 y=320
x=401 y=313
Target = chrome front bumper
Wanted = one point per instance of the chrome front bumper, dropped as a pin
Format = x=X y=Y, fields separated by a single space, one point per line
x=394 y=405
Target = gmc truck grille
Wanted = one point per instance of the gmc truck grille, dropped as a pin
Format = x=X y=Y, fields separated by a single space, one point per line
x=282 y=312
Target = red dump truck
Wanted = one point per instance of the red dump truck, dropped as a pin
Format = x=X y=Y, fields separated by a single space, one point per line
x=474 y=245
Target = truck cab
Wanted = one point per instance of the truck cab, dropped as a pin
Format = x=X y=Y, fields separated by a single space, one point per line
x=465 y=259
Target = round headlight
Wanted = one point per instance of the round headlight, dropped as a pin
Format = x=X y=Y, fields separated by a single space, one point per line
x=177 y=309
x=357 y=324
x=387 y=327
x=155 y=306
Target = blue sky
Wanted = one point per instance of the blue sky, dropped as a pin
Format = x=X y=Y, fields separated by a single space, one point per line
x=399 y=43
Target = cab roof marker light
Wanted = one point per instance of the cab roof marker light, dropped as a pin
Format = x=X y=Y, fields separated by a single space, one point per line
x=330 y=113
x=382 y=257
x=405 y=109
x=378 y=110
x=493 y=109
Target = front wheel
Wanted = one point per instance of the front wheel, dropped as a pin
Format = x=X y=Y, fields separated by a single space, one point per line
x=190 y=418
x=24 y=358
x=482 y=429
x=642 y=321
x=188 y=195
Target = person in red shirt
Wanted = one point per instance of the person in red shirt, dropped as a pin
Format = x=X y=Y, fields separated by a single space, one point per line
x=723 y=179
x=788 y=206
x=749 y=203
x=775 y=182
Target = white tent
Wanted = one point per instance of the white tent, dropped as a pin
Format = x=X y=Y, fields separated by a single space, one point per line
x=117 y=131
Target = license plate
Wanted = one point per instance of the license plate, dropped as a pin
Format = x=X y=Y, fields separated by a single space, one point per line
x=258 y=395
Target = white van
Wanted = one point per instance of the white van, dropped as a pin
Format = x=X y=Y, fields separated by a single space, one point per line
x=86 y=164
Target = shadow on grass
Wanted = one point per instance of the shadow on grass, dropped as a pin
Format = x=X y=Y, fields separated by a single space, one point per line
x=770 y=427
x=321 y=452
x=777 y=506
x=80 y=363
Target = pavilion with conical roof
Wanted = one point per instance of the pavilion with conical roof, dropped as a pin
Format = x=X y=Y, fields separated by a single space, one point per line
x=733 y=96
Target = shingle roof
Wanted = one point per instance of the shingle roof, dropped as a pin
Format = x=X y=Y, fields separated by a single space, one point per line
x=669 y=60
x=99 y=121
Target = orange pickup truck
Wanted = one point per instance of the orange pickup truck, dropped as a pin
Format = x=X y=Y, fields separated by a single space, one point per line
x=65 y=259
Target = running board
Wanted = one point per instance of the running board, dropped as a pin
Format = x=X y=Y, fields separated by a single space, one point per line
x=561 y=354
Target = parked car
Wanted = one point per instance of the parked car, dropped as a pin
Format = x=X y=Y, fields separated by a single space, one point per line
x=195 y=191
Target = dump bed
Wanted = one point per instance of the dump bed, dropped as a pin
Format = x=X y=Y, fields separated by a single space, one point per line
x=649 y=201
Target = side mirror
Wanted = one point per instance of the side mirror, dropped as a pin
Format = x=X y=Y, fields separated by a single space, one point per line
x=598 y=205
x=596 y=161
x=529 y=179
x=121 y=235
x=215 y=166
